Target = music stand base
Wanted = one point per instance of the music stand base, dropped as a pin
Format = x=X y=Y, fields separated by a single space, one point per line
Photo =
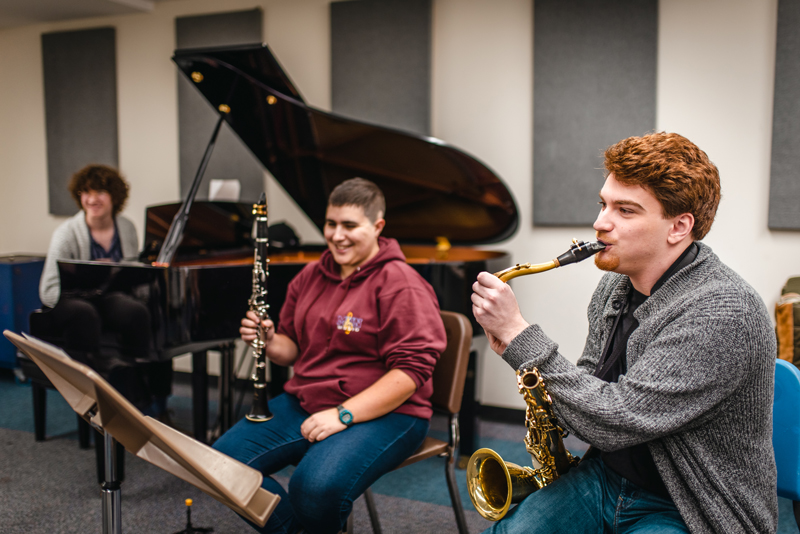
x=112 y=494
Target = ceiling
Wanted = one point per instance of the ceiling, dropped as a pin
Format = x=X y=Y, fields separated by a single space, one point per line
x=23 y=12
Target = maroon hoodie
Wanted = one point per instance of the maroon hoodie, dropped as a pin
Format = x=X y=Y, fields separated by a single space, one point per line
x=351 y=332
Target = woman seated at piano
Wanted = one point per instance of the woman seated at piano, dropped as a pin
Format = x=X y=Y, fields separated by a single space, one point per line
x=99 y=233
x=363 y=332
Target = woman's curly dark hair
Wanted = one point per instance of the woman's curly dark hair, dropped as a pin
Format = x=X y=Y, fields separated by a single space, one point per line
x=99 y=178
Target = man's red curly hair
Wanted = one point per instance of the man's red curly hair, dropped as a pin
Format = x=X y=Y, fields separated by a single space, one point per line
x=674 y=170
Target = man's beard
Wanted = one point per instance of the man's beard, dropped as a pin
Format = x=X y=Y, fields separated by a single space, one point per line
x=608 y=263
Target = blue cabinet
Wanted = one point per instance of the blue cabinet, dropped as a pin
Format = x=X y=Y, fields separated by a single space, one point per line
x=19 y=296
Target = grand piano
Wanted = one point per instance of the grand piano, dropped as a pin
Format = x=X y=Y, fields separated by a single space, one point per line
x=194 y=273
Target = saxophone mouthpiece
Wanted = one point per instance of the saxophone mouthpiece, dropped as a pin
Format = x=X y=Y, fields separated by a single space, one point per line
x=579 y=251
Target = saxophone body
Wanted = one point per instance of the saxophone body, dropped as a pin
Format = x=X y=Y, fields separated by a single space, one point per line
x=493 y=484
x=259 y=412
x=544 y=440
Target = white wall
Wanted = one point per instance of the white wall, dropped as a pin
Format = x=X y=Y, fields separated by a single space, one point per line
x=297 y=31
x=715 y=82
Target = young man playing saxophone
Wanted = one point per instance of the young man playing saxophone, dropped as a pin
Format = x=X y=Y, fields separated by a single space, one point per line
x=675 y=384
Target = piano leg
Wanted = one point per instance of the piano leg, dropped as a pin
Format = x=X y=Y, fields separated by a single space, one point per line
x=39 y=410
x=200 y=396
x=226 y=379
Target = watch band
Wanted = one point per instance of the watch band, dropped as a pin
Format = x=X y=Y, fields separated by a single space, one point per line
x=345 y=415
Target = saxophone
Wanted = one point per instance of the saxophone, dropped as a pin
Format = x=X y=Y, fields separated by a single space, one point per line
x=493 y=484
x=259 y=412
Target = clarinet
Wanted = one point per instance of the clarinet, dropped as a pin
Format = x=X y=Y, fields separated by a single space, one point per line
x=258 y=304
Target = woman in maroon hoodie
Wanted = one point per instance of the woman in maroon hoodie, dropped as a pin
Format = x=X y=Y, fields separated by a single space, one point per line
x=363 y=332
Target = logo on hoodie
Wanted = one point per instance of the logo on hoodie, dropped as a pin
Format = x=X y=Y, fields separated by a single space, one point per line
x=348 y=323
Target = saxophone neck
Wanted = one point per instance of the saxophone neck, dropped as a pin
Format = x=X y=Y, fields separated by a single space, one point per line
x=528 y=378
x=578 y=251
x=523 y=269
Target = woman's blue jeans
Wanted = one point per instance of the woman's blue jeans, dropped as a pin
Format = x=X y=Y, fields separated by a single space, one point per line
x=331 y=473
x=592 y=498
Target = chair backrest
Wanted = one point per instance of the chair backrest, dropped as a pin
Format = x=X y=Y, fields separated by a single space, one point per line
x=451 y=369
x=786 y=429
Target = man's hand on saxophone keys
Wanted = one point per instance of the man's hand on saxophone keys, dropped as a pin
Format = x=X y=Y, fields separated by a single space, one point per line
x=496 y=309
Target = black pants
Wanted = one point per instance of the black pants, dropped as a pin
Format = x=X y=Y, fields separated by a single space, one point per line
x=81 y=322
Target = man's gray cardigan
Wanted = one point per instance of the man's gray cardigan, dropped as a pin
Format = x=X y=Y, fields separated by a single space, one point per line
x=71 y=241
x=698 y=390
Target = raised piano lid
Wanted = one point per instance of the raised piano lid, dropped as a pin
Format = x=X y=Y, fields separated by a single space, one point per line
x=432 y=189
x=214 y=227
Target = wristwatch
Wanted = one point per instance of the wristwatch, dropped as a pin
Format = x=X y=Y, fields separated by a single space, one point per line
x=345 y=415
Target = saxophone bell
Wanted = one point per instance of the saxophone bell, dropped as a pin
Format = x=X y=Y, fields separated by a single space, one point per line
x=494 y=485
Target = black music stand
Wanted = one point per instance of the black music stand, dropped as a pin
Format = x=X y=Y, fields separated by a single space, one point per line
x=227 y=480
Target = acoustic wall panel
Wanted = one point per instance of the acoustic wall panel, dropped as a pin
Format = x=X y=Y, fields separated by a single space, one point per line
x=80 y=101
x=231 y=159
x=380 y=62
x=594 y=84
x=784 y=185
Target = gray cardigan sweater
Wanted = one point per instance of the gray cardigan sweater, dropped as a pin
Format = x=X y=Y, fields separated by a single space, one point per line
x=71 y=241
x=698 y=390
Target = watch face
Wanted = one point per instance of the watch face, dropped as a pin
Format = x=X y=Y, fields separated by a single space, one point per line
x=345 y=416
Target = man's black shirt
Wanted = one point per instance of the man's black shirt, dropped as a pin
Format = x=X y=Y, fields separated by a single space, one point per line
x=634 y=463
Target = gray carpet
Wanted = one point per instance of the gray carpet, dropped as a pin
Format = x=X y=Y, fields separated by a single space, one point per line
x=51 y=486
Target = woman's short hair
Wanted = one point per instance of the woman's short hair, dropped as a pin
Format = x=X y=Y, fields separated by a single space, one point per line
x=99 y=178
x=362 y=193
x=674 y=170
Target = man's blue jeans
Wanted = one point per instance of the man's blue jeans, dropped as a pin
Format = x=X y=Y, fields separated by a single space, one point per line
x=331 y=473
x=592 y=498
